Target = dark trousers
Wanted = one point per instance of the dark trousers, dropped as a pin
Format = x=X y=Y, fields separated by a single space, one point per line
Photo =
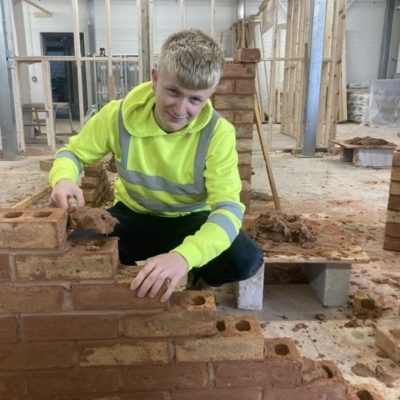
x=142 y=236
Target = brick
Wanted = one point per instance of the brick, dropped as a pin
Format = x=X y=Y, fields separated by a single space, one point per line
x=387 y=338
x=245 y=198
x=111 y=296
x=394 y=188
x=19 y=228
x=245 y=158
x=394 y=202
x=8 y=330
x=226 y=86
x=93 y=170
x=238 y=338
x=227 y=115
x=239 y=71
x=84 y=260
x=392 y=230
x=69 y=326
x=245 y=171
x=45 y=165
x=395 y=175
x=282 y=367
x=12 y=386
x=25 y=356
x=392 y=244
x=244 y=145
x=244 y=130
x=20 y=299
x=93 y=182
x=234 y=102
x=393 y=217
x=246 y=55
x=68 y=382
x=219 y=394
x=322 y=389
x=367 y=304
x=123 y=353
x=396 y=159
x=363 y=391
x=244 y=117
x=166 y=377
x=5 y=266
x=191 y=313
x=245 y=86
x=119 y=396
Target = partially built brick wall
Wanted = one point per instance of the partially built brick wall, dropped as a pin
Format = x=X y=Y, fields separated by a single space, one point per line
x=70 y=328
x=392 y=228
x=234 y=99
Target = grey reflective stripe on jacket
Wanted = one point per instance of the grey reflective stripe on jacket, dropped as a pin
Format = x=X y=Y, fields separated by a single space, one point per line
x=72 y=157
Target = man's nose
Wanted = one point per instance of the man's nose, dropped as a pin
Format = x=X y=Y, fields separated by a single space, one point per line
x=179 y=108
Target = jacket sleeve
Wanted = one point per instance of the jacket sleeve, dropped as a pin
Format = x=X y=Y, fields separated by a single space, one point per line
x=223 y=190
x=95 y=140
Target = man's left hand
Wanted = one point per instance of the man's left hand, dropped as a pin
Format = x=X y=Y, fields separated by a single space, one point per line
x=166 y=268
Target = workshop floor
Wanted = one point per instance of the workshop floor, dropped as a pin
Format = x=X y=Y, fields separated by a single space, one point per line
x=355 y=198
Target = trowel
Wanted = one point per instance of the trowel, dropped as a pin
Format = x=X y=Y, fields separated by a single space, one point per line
x=96 y=220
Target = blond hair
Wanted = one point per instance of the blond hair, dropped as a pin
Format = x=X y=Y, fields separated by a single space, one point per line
x=195 y=58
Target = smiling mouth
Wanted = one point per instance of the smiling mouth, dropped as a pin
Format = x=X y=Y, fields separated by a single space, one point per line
x=177 y=118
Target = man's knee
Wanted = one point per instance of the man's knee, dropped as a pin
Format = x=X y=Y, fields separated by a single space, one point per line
x=248 y=265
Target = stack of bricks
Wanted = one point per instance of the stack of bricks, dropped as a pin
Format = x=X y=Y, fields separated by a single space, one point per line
x=392 y=229
x=234 y=100
x=95 y=185
x=70 y=328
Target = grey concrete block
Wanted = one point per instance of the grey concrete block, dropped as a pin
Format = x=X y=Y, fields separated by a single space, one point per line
x=250 y=292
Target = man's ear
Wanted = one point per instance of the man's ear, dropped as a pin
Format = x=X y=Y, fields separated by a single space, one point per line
x=154 y=77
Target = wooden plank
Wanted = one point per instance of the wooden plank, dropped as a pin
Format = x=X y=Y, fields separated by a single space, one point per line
x=34 y=198
x=50 y=131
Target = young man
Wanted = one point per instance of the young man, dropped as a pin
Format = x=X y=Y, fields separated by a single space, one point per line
x=177 y=192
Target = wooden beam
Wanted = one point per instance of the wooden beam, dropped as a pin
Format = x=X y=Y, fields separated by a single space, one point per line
x=33 y=4
x=34 y=198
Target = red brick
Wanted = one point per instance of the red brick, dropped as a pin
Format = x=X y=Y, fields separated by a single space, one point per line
x=78 y=262
x=191 y=313
x=118 y=396
x=5 y=266
x=394 y=202
x=234 y=102
x=281 y=367
x=392 y=244
x=392 y=230
x=246 y=55
x=12 y=386
x=244 y=117
x=387 y=338
x=45 y=165
x=244 y=145
x=395 y=175
x=93 y=170
x=396 y=159
x=245 y=197
x=226 y=86
x=44 y=228
x=363 y=391
x=239 y=71
x=67 y=382
x=24 y=356
x=394 y=188
x=94 y=181
x=8 y=330
x=70 y=326
x=20 y=299
x=245 y=158
x=244 y=130
x=245 y=171
x=227 y=115
x=111 y=296
x=245 y=86
x=166 y=377
x=117 y=353
x=220 y=394
x=321 y=389
x=238 y=338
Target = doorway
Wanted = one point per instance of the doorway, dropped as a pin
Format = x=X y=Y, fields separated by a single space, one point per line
x=64 y=76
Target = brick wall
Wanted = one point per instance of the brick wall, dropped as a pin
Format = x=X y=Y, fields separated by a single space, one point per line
x=234 y=99
x=392 y=228
x=70 y=328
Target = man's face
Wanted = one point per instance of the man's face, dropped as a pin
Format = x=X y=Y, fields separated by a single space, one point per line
x=176 y=106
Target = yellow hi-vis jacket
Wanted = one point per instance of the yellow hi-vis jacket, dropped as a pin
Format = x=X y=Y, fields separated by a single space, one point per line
x=166 y=174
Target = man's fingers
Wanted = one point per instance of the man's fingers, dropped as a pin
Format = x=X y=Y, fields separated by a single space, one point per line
x=170 y=290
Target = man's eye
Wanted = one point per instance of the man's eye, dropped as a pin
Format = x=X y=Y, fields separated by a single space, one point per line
x=195 y=100
x=172 y=92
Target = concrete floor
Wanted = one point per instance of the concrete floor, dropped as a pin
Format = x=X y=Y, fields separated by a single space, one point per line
x=355 y=198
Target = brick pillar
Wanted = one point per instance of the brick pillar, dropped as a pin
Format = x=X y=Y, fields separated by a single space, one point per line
x=392 y=229
x=234 y=99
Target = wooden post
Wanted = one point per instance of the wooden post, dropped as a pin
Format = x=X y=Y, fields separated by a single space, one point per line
x=110 y=74
x=50 y=131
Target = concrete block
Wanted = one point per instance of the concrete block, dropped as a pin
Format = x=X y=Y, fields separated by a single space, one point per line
x=388 y=338
x=250 y=292
x=330 y=282
x=44 y=228
x=123 y=353
x=378 y=158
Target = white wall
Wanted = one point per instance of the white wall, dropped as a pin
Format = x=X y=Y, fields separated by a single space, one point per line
x=364 y=28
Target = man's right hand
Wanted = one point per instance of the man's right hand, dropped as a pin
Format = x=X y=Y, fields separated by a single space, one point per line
x=63 y=190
